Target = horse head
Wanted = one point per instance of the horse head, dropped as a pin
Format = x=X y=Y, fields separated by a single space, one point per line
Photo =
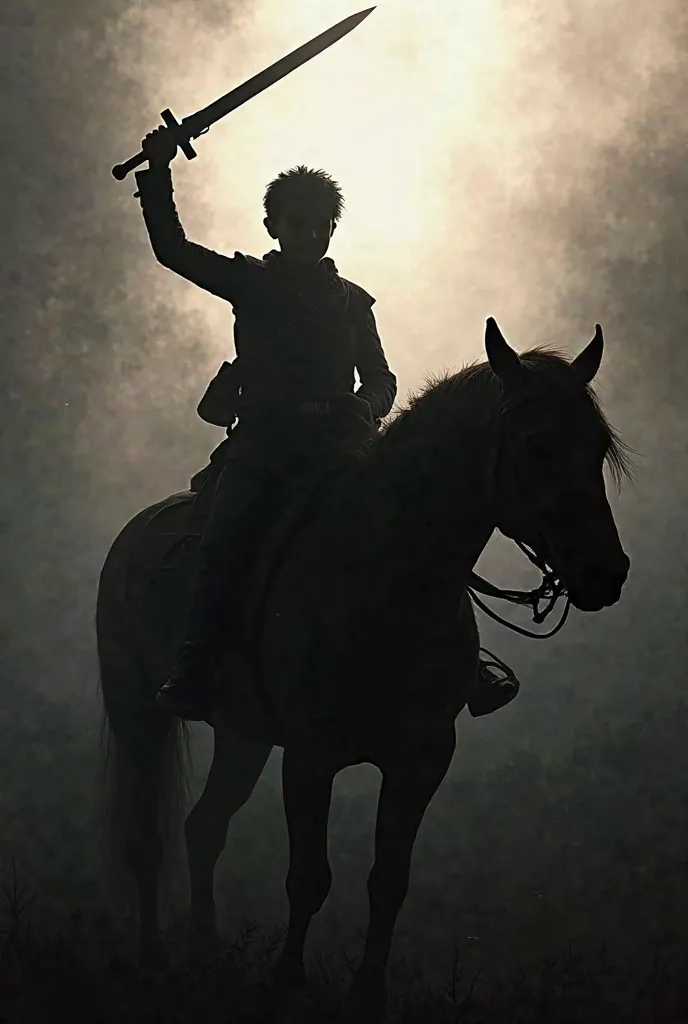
x=554 y=444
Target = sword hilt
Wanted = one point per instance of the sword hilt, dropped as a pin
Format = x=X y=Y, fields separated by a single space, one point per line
x=120 y=171
x=183 y=143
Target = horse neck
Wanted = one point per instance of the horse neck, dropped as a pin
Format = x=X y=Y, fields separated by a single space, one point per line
x=436 y=484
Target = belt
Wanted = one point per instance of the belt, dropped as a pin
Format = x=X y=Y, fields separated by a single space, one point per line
x=314 y=407
x=299 y=407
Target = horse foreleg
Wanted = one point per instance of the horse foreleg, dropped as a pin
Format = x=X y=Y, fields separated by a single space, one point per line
x=307 y=778
x=236 y=767
x=408 y=785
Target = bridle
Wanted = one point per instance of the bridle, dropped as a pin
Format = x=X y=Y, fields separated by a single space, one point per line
x=550 y=590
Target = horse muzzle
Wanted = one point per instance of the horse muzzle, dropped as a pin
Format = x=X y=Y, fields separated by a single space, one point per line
x=592 y=587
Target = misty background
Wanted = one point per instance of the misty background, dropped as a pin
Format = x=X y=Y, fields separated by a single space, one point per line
x=520 y=159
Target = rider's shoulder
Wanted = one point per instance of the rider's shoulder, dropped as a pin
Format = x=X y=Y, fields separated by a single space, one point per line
x=357 y=294
x=252 y=272
x=250 y=262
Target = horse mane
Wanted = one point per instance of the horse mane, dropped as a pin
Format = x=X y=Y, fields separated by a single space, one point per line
x=474 y=385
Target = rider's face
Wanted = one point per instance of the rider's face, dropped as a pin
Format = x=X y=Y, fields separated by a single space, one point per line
x=303 y=228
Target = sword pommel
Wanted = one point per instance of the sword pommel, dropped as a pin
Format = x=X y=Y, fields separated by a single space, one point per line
x=120 y=171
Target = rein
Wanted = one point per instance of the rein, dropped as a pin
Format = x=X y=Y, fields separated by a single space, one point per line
x=550 y=590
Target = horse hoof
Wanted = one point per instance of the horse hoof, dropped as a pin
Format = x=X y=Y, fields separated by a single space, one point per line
x=292 y=1007
x=366 y=1003
x=154 y=957
x=202 y=946
x=289 y=975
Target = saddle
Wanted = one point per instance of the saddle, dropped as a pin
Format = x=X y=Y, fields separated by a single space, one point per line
x=178 y=551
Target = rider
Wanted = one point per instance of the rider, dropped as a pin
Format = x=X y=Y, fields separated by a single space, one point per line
x=300 y=332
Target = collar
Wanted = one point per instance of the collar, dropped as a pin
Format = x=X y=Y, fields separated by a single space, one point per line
x=325 y=266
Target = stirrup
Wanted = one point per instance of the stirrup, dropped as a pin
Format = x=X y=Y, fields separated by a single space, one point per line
x=503 y=672
x=495 y=693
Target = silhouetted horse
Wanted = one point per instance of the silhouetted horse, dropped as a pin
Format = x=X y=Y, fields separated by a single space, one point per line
x=366 y=646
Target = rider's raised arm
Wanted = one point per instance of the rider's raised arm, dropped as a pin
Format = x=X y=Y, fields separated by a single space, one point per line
x=223 y=276
x=378 y=383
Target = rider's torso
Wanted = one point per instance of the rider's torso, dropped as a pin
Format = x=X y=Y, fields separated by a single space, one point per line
x=296 y=336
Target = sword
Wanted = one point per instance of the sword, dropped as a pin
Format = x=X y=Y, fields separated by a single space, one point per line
x=197 y=124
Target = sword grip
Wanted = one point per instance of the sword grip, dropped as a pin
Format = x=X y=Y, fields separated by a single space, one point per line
x=120 y=171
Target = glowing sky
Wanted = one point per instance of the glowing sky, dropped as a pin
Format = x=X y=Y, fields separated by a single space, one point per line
x=439 y=120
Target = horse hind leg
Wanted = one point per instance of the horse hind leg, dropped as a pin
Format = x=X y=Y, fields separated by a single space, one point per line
x=408 y=785
x=236 y=767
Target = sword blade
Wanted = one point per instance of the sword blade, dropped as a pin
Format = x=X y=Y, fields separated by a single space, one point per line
x=198 y=123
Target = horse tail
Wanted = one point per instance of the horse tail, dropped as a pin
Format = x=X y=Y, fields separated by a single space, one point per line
x=145 y=758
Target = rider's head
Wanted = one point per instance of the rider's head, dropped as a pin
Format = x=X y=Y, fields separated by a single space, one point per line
x=302 y=208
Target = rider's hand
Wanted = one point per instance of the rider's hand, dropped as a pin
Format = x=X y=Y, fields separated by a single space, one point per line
x=159 y=148
x=365 y=411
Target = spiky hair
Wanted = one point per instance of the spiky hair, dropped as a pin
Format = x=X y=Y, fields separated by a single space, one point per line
x=306 y=179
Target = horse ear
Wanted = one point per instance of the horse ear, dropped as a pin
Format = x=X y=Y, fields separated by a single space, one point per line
x=586 y=365
x=504 y=361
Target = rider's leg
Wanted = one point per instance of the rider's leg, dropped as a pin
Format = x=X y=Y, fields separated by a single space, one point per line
x=217 y=597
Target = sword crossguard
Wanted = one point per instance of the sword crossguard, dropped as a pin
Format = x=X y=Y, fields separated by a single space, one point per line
x=120 y=171
x=183 y=143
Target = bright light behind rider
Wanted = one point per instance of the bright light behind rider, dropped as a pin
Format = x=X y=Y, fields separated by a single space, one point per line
x=381 y=110
x=388 y=111
x=469 y=138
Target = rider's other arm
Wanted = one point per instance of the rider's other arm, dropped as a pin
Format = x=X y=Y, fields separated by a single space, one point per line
x=220 y=402
x=223 y=276
x=378 y=383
